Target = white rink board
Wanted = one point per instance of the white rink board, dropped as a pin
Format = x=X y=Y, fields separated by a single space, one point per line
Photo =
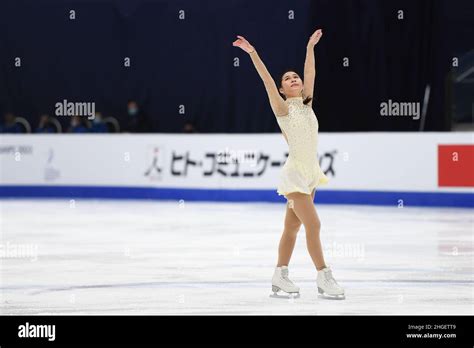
x=360 y=161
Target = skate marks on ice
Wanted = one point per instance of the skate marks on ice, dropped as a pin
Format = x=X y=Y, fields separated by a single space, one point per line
x=136 y=257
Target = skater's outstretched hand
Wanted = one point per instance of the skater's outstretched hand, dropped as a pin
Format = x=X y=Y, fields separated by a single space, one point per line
x=243 y=44
x=314 y=39
x=279 y=107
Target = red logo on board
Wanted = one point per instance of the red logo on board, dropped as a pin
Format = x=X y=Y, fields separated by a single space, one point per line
x=456 y=165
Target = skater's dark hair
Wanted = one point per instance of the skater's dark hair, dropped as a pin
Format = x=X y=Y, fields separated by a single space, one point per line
x=307 y=99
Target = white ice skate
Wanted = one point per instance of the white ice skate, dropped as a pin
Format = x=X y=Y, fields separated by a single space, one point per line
x=280 y=281
x=327 y=285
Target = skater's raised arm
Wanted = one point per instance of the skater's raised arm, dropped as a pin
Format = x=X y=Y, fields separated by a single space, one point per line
x=310 y=66
x=277 y=103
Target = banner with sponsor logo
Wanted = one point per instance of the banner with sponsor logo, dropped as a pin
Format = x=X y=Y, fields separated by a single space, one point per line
x=353 y=162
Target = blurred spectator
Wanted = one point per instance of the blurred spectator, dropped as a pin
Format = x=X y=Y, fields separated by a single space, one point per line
x=189 y=127
x=138 y=121
x=45 y=125
x=9 y=125
x=98 y=125
x=77 y=125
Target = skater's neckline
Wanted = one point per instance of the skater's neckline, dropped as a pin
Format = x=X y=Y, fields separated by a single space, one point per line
x=295 y=99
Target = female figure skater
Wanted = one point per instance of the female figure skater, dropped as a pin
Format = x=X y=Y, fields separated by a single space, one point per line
x=301 y=173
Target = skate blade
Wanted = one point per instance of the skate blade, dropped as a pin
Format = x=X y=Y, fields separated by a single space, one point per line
x=284 y=295
x=325 y=296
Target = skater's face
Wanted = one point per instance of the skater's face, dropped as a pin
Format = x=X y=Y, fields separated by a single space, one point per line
x=291 y=84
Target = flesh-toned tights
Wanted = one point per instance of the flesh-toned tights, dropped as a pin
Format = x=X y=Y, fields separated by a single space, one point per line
x=300 y=210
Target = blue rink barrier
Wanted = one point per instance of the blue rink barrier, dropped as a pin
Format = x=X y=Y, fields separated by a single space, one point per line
x=386 y=198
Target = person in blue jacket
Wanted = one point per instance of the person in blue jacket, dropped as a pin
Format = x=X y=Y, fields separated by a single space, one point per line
x=77 y=126
x=45 y=125
x=9 y=125
x=98 y=125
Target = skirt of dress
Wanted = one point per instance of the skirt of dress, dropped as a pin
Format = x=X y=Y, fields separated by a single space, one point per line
x=298 y=178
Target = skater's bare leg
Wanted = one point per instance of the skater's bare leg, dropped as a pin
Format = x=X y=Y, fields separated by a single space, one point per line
x=288 y=238
x=303 y=207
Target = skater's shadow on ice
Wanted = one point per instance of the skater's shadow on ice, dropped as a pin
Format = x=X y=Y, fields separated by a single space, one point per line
x=295 y=296
x=285 y=297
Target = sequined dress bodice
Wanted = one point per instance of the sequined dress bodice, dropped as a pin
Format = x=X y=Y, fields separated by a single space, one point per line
x=301 y=128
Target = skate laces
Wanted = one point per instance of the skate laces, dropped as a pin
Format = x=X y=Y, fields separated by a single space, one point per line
x=330 y=278
x=284 y=275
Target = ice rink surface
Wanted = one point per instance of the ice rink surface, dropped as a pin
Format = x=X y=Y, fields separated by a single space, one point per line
x=155 y=257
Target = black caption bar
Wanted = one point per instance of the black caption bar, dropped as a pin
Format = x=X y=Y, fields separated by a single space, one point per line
x=262 y=330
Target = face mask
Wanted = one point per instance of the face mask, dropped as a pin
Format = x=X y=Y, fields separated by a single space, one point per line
x=132 y=111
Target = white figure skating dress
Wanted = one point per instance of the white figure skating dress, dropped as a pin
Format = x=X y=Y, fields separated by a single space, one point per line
x=301 y=171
